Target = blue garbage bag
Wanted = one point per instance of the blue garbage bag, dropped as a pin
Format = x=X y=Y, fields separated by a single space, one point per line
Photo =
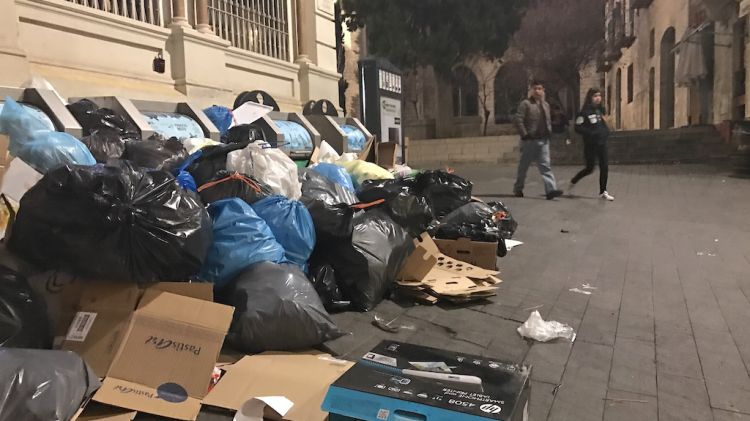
x=220 y=116
x=33 y=141
x=241 y=238
x=334 y=173
x=291 y=224
x=184 y=178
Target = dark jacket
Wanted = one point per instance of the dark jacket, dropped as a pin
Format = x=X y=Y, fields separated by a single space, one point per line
x=591 y=125
x=529 y=118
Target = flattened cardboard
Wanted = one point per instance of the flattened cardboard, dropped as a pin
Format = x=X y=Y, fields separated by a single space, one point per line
x=140 y=398
x=302 y=378
x=477 y=253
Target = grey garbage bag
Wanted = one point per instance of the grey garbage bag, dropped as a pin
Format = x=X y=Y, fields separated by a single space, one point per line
x=42 y=385
x=276 y=309
x=367 y=265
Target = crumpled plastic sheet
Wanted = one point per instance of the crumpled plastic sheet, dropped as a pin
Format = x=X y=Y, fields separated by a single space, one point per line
x=540 y=330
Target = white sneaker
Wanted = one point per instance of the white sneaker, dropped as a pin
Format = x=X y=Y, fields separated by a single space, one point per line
x=607 y=196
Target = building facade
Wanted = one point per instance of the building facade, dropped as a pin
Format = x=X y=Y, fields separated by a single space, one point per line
x=675 y=63
x=212 y=49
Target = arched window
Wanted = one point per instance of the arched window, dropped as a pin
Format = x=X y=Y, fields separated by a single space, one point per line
x=510 y=89
x=465 y=92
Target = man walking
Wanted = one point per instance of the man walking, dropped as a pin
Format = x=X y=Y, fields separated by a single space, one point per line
x=534 y=125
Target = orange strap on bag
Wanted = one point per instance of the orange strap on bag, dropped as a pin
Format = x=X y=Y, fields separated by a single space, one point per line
x=234 y=176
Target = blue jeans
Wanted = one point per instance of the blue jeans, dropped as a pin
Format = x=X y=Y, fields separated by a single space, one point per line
x=535 y=150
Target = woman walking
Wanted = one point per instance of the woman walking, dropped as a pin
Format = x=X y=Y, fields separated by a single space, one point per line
x=591 y=125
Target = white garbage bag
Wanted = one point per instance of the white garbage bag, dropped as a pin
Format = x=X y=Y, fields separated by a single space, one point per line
x=327 y=153
x=269 y=165
x=537 y=329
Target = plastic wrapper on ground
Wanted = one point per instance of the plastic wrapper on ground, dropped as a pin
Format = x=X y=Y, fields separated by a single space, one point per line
x=113 y=222
x=226 y=185
x=241 y=238
x=544 y=331
x=157 y=153
x=444 y=192
x=23 y=313
x=269 y=165
x=33 y=142
x=276 y=309
x=43 y=385
x=291 y=224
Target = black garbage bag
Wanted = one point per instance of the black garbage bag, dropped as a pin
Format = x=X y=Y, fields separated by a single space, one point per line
x=367 y=266
x=372 y=190
x=489 y=214
x=23 y=313
x=276 y=309
x=43 y=385
x=324 y=281
x=104 y=144
x=411 y=212
x=330 y=206
x=227 y=185
x=113 y=222
x=318 y=186
x=156 y=153
x=243 y=133
x=444 y=192
x=212 y=160
x=93 y=118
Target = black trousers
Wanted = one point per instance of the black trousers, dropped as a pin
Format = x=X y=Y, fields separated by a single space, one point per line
x=592 y=152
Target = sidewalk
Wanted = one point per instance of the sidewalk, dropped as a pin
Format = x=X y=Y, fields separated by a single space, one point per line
x=664 y=336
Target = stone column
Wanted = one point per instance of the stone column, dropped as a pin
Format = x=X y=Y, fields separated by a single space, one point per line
x=179 y=17
x=305 y=25
x=13 y=60
x=201 y=17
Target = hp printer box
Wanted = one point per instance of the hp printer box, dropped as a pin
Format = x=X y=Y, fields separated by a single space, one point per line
x=399 y=382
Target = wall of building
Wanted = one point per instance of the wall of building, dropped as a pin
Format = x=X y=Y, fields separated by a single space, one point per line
x=482 y=149
x=83 y=51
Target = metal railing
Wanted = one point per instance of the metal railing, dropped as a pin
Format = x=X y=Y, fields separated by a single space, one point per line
x=147 y=11
x=260 y=26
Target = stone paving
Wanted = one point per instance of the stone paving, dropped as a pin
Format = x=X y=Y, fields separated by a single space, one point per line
x=666 y=333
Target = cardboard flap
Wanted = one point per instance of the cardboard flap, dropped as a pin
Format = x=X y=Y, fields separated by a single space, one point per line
x=160 y=401
x=199 y=290
x=186 y=310
x=418 y=265
x=459 y=286
x=95 y=411
x=278 y=374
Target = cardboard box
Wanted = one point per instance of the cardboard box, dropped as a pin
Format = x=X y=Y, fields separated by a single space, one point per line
x=158 y=358
x=387 y=154
x=303 y=378
x=429 y=270
x=391 y=383
x=477 y=253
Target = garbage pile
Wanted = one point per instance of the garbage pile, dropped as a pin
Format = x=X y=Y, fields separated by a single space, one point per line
x=158 y=249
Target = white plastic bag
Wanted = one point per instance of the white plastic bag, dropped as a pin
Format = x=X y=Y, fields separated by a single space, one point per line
x=269 y=165
x=327 y=153
x=537 y=329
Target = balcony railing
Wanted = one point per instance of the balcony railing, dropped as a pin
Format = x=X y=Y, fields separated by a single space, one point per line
x=260 y=26
x=147 y=11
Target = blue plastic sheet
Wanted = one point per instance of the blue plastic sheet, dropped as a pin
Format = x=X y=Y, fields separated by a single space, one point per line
x=296 y=137
x=355 y=138
x=291 y=224
x=33 y=142
x=220 y=116
x=174 y=125
x=334 y=173
x=241 y=238
x=184 y=178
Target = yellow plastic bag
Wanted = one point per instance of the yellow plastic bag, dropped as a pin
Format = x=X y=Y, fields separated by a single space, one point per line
x=363 y=170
